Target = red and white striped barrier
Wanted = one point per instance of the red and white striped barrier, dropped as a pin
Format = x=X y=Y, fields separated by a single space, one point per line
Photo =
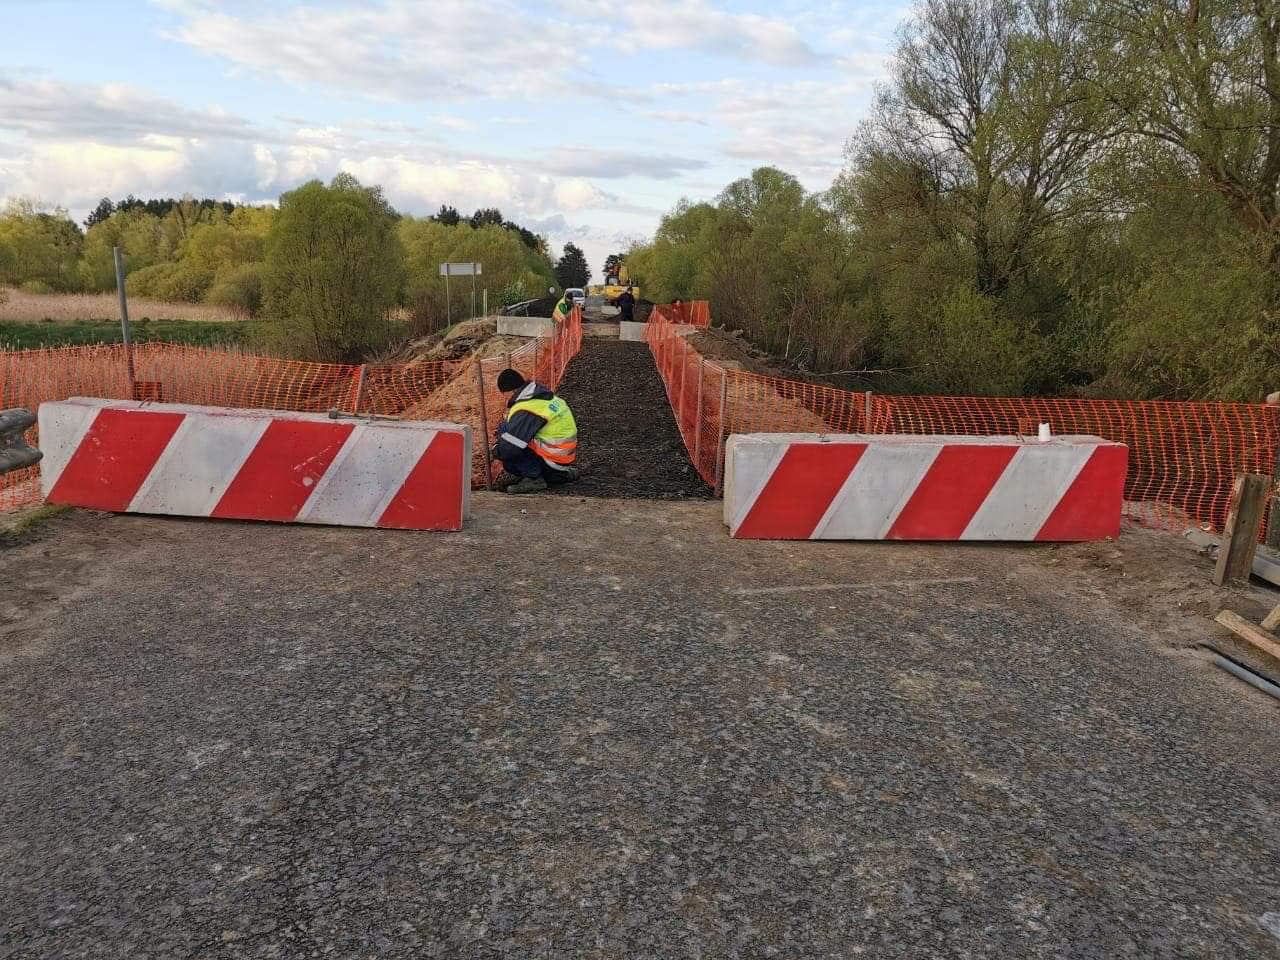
x=192 y=461
x=897 y=487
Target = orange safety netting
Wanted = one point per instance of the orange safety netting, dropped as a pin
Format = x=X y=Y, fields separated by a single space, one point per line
x=695 y=313
x=1183 y=457
x=456 y=391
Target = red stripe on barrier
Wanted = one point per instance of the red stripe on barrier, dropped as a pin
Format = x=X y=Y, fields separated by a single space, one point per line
x=114 y=458
x=951 y=492
x=282 y=470
x=431 y=496
x=1101 y=481
x=800 y=490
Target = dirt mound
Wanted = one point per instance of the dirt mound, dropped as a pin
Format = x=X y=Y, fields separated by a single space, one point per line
x=782 y=409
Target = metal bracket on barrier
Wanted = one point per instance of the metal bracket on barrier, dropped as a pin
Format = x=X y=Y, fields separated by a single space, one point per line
x=15 y=453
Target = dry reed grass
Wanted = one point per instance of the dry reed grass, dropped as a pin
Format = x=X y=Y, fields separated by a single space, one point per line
x=19 y=306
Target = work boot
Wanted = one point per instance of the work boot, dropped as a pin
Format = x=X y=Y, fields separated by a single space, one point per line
x=528 y=485
x=563 y=475
x=505 y=479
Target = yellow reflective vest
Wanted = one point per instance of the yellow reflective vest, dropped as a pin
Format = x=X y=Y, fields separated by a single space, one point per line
x=557 y=441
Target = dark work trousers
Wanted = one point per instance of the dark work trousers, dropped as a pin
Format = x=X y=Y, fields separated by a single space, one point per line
x=529 y=464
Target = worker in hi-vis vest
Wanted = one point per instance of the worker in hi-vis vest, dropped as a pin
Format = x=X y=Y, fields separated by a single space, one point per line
x=538 y=441
x=562 y=310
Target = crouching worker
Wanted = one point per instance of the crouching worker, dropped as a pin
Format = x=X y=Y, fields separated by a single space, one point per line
x=538 y=441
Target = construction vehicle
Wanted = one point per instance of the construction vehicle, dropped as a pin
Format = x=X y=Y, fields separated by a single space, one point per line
x=613 y=286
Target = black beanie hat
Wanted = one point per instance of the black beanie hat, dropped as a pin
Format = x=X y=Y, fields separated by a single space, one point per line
x=509 y=380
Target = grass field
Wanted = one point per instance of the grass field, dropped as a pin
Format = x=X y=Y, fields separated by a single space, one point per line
x=32 y=320
x=31 y=336
x=18 y=306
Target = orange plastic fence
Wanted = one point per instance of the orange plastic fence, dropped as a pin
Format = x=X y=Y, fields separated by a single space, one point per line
x=696 y=313
x=454 y=391
x=1183 y=457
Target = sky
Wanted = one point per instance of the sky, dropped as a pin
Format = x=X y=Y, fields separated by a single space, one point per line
x=582 y=120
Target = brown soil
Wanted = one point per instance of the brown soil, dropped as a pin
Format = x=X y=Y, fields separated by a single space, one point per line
x=464 y=340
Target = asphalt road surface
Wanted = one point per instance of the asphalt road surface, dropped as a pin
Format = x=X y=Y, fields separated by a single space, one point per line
x=589 y=728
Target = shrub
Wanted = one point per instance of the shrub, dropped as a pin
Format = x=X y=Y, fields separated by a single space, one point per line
x=334 y=270
x=240 y=288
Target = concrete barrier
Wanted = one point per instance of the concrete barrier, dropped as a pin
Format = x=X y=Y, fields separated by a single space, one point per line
x=873 y=487
x=183 y=460
x=629 y=330
x=525 y=327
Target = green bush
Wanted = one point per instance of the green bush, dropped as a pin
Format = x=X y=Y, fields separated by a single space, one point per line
x=334 y=270
x=241 y=288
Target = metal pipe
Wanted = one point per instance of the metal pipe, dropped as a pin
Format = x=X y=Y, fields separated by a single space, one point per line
x=1241 y=672
x=124 y=320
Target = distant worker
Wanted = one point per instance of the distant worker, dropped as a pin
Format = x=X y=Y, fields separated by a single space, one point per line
x=562 y=309
x=627 y=305
x=538 y=441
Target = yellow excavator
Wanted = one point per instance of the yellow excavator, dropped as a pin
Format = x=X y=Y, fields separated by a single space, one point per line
x=613 y=286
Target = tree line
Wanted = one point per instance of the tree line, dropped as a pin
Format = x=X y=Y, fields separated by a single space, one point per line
x=1065 y=197
x=326 y=266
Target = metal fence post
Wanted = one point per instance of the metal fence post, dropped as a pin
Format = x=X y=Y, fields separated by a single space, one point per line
x=124 y=319
x=697 y=416
x=724 y=392
x=485 y=439
x=358 y=393
x=684 y=363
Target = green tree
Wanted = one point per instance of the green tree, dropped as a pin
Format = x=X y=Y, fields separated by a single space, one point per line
x=334 y=268
x=572 y=269
x=39 y=248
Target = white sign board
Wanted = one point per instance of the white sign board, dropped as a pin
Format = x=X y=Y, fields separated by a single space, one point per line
x=460 y=270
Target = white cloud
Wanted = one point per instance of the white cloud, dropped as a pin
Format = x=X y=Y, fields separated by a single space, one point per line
x=395 y=49
x=700 y=25
x=47 y=109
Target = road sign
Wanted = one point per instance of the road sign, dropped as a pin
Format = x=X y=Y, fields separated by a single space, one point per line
x=461 y=269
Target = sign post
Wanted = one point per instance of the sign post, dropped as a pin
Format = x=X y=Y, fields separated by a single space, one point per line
x=448 y=270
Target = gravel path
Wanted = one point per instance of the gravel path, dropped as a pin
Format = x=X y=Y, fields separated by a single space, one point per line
x=601 y=729
x=629 y=445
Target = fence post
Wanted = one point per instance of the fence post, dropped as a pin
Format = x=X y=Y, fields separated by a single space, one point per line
x=1244 y=522
x=358 y=393
x=1273 y=522
x=684 y=363
x=866 y=412
x=484 y=428
x=124 y=321
x=697 y=416
x=724 y=391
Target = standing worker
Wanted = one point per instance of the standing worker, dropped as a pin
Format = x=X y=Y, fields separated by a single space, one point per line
x=562 y=309
x=538 y=441
x=627 y=304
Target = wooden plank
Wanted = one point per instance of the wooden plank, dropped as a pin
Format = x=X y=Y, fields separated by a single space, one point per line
x=1272 y=619
x=1250 y=633
x=1244 y=523
x=1273 y=525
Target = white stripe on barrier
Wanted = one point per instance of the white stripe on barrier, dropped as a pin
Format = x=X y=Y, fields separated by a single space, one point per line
x=1027 y=492
x=365 y=476
x=198 y=465
x=875 y=492
x=59 y=445
x=756 y=466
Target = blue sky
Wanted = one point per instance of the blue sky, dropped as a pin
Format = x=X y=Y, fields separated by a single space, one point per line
x=582 y=119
